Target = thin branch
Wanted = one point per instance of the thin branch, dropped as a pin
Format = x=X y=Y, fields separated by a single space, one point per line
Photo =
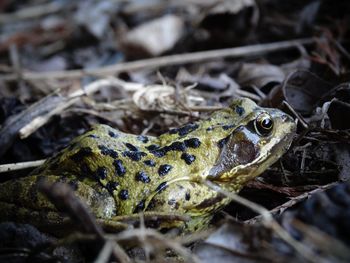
x=31 y=12
x=171 y=60
x=297 y=115
x=293 y=201
x=341 y=49
x=105 y=253
x=269 y=222
x=110 y=247
x=20 y=166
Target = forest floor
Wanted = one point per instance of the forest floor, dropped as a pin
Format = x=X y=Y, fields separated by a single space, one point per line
x=144 y=67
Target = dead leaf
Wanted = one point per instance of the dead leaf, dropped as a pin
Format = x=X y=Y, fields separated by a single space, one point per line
x=232 y=242
x=232 y=7
x=339 y=107
x=230 y=21
x=51 y=64
x=259 y=75
x=343 y=160
x=165 y=98
x=307 y=16
x=153 y=38
x=303 y=90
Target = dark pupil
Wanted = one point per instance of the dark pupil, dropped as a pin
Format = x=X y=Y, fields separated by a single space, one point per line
x=266 y=123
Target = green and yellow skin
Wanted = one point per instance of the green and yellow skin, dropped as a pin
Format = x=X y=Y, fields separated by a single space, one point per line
x=118 y=174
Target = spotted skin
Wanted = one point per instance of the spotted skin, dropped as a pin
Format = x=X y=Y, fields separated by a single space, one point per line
x=119 y=174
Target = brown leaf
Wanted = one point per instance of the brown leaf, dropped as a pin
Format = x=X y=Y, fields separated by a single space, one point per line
x=259 y=75
x=155 y=37
x=303 y=90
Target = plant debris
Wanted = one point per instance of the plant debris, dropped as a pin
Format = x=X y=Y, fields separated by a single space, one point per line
x=144 y=67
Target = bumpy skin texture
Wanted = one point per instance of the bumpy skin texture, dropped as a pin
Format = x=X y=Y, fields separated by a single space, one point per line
x=121 y=174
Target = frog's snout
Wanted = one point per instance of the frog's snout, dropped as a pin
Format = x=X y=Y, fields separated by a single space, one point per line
x=286 y=126
x=286 y=118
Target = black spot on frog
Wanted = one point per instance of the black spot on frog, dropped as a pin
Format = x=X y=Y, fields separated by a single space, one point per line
x=142 y=177
x=188 y=158
x=124 y=194
x=164 y=169
x=119 y=167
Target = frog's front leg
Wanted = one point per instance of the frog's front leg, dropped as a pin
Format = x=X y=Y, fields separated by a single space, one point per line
x=21 y=200
x=153 y=219
x=188 y=198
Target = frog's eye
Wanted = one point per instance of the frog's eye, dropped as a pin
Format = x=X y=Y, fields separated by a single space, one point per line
x=263 y=124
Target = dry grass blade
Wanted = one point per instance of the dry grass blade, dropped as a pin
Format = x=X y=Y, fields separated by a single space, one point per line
x=165 y=61
x=111 y=247
x=20 y=166
x=31 y=12
x=297 y=115
x=280 y=209
x=105 y=253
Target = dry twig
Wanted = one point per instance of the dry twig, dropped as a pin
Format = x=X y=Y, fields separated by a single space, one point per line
x=19 y=166
x=269 y=222
x=171 y=60
x=31 y=12
x=293 y=201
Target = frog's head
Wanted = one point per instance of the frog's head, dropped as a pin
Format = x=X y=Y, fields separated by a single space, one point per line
x=259 y=139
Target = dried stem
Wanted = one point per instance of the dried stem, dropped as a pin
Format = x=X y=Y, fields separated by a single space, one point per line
x=19 y=166
x=171 y=60
x=268 y=221
x=293 y=201
x=31 y=12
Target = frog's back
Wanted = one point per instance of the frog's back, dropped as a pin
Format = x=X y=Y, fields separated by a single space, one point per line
x=133 y=167
x=130 y=167
x=104 y=159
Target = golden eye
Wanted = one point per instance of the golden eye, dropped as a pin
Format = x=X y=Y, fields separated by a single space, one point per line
x=263 y=124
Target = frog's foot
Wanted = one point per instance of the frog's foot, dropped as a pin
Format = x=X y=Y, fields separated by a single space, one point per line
x=21 y=201
x=47 y=221
x=51 y=221
x=158 y=220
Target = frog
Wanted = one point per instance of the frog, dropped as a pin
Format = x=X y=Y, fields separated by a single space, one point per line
x=118 y=174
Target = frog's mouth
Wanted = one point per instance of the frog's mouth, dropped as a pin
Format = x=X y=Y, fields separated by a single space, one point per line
x=237 y=166
x=265 y=159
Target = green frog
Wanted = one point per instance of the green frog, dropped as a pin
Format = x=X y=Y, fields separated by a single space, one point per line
x=118 y=174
